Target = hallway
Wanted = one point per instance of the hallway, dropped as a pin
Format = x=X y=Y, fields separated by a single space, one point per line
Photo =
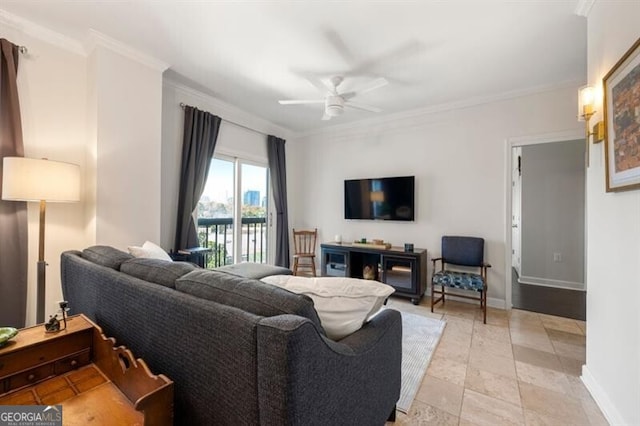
x=548 y=300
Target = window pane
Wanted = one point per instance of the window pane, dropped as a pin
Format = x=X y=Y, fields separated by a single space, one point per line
x=215 y=213
x=254 y=213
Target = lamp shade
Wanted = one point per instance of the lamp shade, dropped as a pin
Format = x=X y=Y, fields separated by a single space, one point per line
x=30 y=179
x=586 y=100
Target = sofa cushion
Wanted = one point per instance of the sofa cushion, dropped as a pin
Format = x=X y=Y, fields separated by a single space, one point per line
x=343 y=304
x=254 y=270
x=106 y=256
x=249 y=295
x=156 y=271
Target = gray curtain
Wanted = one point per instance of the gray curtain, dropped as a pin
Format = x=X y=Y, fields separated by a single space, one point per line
x=13 y=214
x=278 y=170
x=199 y=141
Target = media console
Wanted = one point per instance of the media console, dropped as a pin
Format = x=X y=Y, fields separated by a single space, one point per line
x=404 y=271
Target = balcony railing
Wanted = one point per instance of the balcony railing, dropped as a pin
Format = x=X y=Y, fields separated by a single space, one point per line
x=217 y=234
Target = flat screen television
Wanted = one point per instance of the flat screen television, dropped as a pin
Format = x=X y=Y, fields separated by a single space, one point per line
x=390 y=198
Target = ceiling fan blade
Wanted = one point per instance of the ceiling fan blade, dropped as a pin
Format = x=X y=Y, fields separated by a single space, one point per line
x=314 y=79
x=339 y=45
x=375 y=84
x=326 y=117
x=301 y=101
x=362 y=106
x=394 y=56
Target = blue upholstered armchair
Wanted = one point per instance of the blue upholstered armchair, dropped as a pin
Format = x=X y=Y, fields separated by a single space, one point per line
x=465 y=252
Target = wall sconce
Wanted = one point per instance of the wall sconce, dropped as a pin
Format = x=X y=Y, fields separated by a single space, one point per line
x=586 y=101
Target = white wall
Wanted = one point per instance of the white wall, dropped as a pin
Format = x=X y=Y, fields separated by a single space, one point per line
x=52 y=88
x=612 y=371
x=102 y=112
x=128 y=99
x=234 y=140
x=457 y=156
x=553 y=213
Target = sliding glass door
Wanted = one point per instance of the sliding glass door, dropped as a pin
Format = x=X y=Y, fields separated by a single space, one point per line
x=253 y=210
x=232 y=212
x=216 y=210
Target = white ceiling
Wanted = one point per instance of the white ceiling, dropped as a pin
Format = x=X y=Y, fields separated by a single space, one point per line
x=250 y=54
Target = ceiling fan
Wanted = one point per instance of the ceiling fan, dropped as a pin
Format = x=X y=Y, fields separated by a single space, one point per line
x=335 y=102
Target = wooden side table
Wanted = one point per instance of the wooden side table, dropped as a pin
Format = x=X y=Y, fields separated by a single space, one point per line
x=82 y=370
x=197 y=255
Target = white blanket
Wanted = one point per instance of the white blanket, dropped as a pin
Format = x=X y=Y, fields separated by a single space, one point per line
x=343 y=304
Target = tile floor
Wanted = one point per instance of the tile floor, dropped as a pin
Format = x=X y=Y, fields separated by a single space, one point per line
x=522 y=369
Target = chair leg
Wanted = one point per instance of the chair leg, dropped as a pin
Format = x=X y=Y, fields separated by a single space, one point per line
x=443 y=292
x=295 y=266
x=432 y=295
x=485 y=306
x=313 y=266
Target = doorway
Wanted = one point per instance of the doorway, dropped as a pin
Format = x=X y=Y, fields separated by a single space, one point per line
x=516 y=202
x=547 y=211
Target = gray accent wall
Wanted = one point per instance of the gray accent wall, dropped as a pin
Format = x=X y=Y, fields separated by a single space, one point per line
x=553 y=213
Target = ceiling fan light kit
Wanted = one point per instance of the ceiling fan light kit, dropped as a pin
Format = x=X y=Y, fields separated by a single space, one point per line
x=335 y=102
x=334 y=105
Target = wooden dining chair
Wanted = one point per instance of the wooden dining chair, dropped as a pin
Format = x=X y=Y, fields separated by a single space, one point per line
x=304 y=248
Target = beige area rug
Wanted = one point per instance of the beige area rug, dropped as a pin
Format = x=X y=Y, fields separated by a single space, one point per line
x=420 y=336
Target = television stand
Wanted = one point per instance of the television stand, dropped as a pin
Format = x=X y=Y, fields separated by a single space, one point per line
x=404 y=271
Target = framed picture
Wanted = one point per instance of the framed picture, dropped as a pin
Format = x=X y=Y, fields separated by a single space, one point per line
x=622 y=122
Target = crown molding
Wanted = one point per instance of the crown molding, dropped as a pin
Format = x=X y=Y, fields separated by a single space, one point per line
x=96 y=39
x=584 y=7
x=433 y=109
x=41 y=33
x=230 y=112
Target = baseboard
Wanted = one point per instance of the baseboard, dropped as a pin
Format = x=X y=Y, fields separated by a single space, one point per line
x=546 y=282
x=601 y=398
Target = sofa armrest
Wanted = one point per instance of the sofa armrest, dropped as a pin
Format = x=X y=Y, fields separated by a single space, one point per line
x=371 y=332
x=306 y=379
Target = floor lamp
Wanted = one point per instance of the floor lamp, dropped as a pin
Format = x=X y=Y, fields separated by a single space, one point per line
x=42 y=180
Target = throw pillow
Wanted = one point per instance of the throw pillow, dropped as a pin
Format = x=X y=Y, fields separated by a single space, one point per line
x=343 y=304
x=149 y=250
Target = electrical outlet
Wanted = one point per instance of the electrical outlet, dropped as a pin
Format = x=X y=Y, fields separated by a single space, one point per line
x=557 y=257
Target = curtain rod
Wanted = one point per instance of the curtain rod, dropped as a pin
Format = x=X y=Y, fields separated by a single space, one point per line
x=183 y=105
x=23 y=49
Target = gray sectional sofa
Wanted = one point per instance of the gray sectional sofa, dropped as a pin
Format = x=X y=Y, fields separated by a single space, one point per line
x=240 y=351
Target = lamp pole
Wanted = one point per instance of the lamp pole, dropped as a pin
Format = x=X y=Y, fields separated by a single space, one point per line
x=42 y=268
